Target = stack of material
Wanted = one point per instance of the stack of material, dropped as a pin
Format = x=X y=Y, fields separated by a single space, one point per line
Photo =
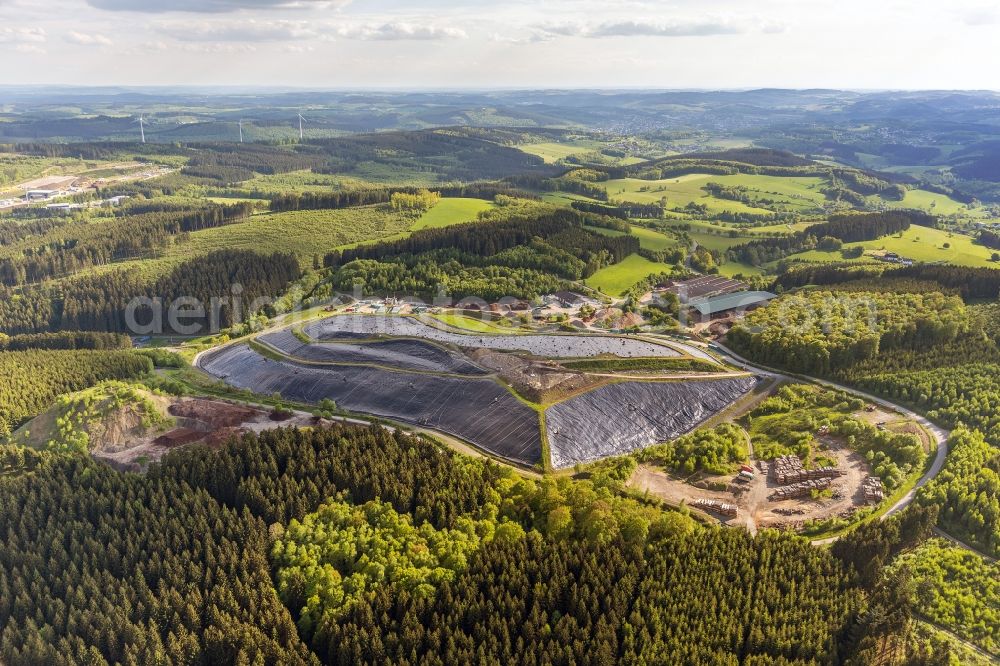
x=872 y=487
x=789 y=469
x=717 y=507
x=801 y=489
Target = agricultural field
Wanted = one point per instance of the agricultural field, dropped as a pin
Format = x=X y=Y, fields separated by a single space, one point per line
x=552 y=151
x=734 y=268
x=744 y=232
x=938 y=204
x=622 y=417
x=616 y=279
x=917 y=243
x=649 y=239
x=563 y=198
x=799 y=193
x=449 y=211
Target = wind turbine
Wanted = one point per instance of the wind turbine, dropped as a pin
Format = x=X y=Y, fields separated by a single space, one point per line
x=142 y=132
x=241 y=130
x=300 y=126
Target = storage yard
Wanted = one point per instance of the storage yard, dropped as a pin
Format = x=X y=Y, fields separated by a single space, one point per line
x=780 y=493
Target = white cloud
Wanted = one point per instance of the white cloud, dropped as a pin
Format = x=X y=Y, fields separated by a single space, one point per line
x=22 y=35
x=236 y=31
x=980 y=16
x=254 y=31
x=219 y=48
x=698 y=28
x=211 y=6
x=87 y=39
x=399 y=30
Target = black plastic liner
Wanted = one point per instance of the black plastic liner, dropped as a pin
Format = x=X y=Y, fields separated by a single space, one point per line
x=477 y=410
x=620 y=418
x=350 y=326
x=404 y=354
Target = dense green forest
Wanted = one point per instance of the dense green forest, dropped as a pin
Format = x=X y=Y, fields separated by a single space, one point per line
x=956 y=589
x=99 y=302
x=509 y=253
x=815 y=332
x=353 y=545
x=179 y=571
x=943 y=359
x=30 y=380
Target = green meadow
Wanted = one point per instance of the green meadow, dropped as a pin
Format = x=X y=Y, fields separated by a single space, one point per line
x=618 y=278
x=939 y=204
x=919 y=244
x=649 y=239
x=447 y=212
x=552 y=151
x=796 y=193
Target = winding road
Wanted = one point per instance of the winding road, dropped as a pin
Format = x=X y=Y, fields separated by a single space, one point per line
x=939 y=434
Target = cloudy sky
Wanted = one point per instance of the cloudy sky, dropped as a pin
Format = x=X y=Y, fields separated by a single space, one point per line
x=503 y=43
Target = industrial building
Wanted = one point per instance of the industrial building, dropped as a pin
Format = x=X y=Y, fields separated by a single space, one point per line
x=738 y=301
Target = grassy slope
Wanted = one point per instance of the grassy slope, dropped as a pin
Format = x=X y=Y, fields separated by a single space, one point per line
x=937 y=203
x=794 y=193
x=618 y=278
x=550 y=151
x=451 y=211
x=920 y=244
x=472 y=324
x=682 y=190
x=648 y=238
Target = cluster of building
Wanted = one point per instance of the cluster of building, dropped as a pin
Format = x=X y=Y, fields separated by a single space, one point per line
x=386 y=306
x=713 y=295
x=893 y=258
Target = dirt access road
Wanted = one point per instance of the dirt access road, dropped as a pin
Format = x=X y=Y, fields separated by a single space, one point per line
x=939 y=434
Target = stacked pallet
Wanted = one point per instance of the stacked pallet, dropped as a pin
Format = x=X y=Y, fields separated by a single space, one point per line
x=801 y=489
x=872 y=487
x=717 y=506
x=789 y=469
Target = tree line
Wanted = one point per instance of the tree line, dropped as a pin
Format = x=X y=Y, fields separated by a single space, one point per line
x=562 y=227
x=973 y=283
x=63 y=251
x=30 y=380
x=98 y=302
x=845 y=228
